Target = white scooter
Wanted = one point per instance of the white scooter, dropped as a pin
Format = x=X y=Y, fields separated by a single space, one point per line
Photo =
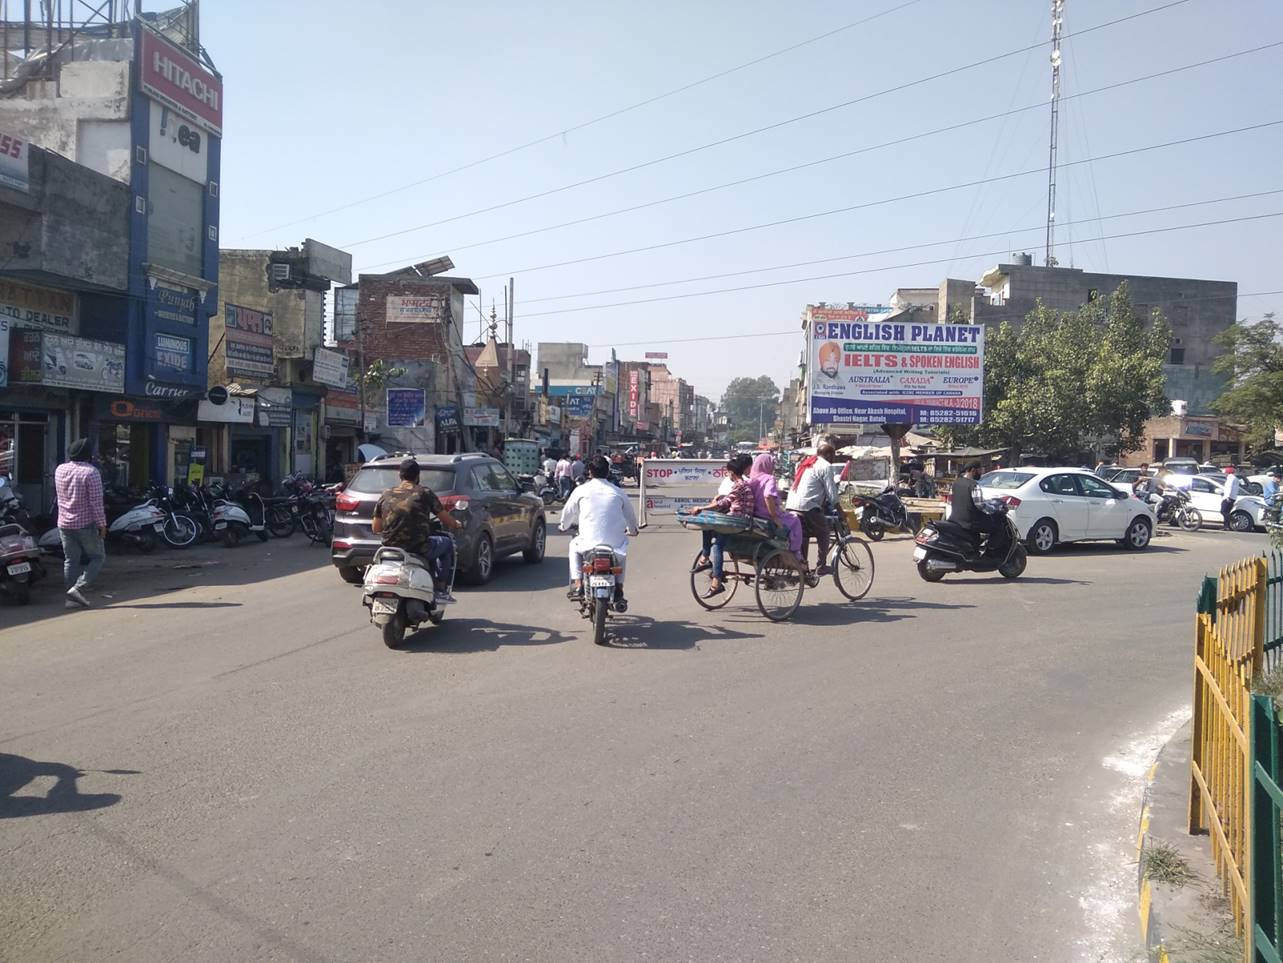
x=400 y=594
x=142 y=526
x=231 y=522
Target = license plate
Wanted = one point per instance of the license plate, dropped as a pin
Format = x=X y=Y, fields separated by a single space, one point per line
x=220 y=525
x=384 y=606
x=919 y=554
x=601 y=581
x=294 y=510
x=160 y=528
x=21 y=568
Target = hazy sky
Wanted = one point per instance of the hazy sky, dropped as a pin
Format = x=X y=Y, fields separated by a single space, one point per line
x=328 y=103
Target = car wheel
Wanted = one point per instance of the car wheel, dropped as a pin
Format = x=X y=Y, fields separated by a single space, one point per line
x=352 y=574
x=1137 y=535
x=483 y=563
x=1042 y=536
x=538 y=542
x=1240 y=521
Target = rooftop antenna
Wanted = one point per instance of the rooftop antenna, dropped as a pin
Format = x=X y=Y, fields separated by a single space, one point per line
x=1057 y=24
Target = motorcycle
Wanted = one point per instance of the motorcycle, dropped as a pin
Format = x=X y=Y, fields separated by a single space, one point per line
x=545 y=489
x=400 y=593
x=142 y=526
x=944 y=546
x=882 y=512
x=19 y=563
x=230 y=520
x=1174 y=508
x=601 y=569
x=180 y=530
x=315 y=507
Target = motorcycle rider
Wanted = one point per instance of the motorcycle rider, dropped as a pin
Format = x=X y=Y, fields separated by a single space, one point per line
x=967 y=505
x=605 y=516
x=404 y=518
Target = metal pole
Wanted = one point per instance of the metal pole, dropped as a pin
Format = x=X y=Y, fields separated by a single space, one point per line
x=1057 y=22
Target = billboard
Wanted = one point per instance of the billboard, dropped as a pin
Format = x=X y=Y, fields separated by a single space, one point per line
x=329 y=368
x=634 y=392
x=578 y=406
x=173 y=76
x=172 y=352
x=657 y=355
x=178 y=144
x=415 y=309
x=71 y=362
x=327 y=262
x=866 y=369
x=407 y=407
x=14 y=163
x=28 y=306
x=481 y=417
x=248 y=340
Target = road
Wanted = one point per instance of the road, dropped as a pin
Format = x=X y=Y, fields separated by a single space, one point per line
x=223 y=762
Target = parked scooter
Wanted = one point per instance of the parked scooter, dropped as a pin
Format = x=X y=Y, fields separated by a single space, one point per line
x=19 y=563
x=601 y=569
x=400 y=593
x=885 y=511
x=142 y=526
x=944 y=546
x=231 y=522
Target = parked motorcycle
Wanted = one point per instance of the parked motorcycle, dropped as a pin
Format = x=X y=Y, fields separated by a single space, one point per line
x=142 y=526
x=400 y=593
x=1174 y=508
x=315 y=506
x=180 y=529
x=601 y=569
x=882 y=512
x=944 y=546
x=19 y=563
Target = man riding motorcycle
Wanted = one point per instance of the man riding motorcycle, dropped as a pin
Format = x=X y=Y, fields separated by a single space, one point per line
x=404 y=518
x=967 y=505
x=605 y=516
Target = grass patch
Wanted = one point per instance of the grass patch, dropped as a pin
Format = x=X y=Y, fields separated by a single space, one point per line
x=1163 y=864
x=1220 y=946
x=1271 y=684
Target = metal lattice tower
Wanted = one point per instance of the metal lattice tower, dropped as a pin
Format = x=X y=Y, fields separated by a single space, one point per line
x=1057 y=25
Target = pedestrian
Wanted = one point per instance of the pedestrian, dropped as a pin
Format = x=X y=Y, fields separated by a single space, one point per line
x=577 y=471
x=563 y=475
x=1231 y=490
x=1270 y=492
x=549 y=468
x=82 y=522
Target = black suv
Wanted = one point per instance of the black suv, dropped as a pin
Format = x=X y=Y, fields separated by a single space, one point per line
x=498 y=517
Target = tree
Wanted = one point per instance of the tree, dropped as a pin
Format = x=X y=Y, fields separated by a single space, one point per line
x=1065 y=381
x=1253 y=364
x=750 y=405
x=374 y=378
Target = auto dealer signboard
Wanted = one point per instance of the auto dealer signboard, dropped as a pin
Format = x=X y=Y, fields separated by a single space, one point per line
x=867 y=369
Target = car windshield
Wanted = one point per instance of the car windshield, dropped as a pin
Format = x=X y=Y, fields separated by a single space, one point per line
x=376 y=481
x=1005 y=479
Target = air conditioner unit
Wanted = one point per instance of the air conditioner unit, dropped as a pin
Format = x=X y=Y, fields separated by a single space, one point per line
x=280 y=272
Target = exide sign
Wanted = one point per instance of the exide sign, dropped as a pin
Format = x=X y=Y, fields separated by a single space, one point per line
x=174 y=77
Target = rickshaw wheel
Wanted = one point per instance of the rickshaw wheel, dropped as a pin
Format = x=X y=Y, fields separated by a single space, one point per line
x=779 y=585
x=700 y=584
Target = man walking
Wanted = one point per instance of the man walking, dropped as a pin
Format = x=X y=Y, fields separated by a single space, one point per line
x=577 y=471
x=82 y=522
x=563 y=475
x=1231 y=496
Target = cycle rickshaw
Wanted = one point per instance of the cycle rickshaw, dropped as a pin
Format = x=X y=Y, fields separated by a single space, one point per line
x=756 y=554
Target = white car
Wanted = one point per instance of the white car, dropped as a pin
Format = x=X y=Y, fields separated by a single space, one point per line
x=1206 y=493
x=1054 y=505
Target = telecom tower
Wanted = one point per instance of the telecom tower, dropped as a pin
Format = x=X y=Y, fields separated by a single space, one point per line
x=1057 y=24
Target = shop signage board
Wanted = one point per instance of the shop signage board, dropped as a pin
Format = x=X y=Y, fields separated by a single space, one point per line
x=4 y=351
x=234 y=411
x=343 y=406
x=329 y=368
x=65 y=361
x=447 y=419
x=249 y=340
x=481 y=417
x=415 y=309
x=174 y=77
x=656 y=355
x=866 y=369
x=407 y=407
x=174 y=304
x=30 y=306
x=172 y=352
x=179 y=144
x=15 y=162
x=276 y=408
x=583 y=390
x=127 y=409
x=554 y=414
x=634 y=392
x=578 y=406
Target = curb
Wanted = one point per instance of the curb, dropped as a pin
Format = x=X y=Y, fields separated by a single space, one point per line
x=1155 y=950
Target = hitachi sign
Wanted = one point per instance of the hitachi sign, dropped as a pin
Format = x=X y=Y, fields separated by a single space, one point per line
x=181 y=77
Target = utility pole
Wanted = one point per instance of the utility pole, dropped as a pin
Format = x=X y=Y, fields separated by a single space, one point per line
x=1057 y=24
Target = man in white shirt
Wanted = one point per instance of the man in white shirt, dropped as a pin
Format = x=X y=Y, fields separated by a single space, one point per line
x=549 y=468
x=605 y=516
x=563 y=475
x=811 y=498
x=1232 y=490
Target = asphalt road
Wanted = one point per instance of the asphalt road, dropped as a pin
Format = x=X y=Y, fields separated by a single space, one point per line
x=223 y=762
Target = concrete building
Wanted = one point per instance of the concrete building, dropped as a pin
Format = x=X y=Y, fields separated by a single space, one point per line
x=138 y=103
x=676 y=401
x=498 y=403
x=587 y=395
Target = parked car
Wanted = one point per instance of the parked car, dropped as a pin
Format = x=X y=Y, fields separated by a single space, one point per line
x=1120 y=476
x=1182 y=466
x=499 y=517
x=1055 y=505
x=1206 y=493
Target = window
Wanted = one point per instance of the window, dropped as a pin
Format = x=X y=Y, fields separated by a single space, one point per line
x=1203 y=485
x=1178 y=355
x=1094 y=488
x=1005 y=479
x=1093 y=294
x=1059 y=485
x=375 y=481
x=502 y=479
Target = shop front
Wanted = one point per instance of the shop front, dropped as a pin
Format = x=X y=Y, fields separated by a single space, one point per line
x=305 y=432
x=130 y=437
x=342 y=422
x=1203 y=438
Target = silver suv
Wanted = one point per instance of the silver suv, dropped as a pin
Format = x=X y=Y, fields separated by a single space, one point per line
x=499 y=517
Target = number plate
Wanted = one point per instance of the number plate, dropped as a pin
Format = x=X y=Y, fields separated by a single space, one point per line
x=919 y=554
x=160 y=528
x=22 y=568
x=293 y=509
x=220 y=525
x=384 y=606
x=601 y=581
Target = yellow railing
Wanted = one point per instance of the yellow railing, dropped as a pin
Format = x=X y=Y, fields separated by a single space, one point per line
x=1228 y=654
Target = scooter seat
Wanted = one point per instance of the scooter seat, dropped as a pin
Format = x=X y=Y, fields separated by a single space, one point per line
x=390 y=553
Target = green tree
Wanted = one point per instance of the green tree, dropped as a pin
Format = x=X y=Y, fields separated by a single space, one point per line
x=1064 y=381
x=374 y=379
x=1253 y=363
x=750 y=405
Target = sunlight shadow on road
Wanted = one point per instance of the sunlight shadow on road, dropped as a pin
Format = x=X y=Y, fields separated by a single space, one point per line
x=644 y=632
x=460 y=636
x=17 y=772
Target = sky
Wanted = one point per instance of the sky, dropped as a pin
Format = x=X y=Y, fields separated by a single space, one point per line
x=325 y=109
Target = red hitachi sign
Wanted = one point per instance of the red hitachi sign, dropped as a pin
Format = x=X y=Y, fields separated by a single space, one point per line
x=174 y=77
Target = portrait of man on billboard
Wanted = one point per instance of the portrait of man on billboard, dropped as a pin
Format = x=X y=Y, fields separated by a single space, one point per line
x=828 y=374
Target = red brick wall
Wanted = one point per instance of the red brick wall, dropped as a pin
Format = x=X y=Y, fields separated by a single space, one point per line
x=399 y=341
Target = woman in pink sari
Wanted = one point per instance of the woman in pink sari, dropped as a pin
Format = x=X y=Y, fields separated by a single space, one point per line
x=766 y=500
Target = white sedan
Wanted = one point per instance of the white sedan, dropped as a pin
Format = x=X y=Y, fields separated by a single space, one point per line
x=1054 y=505
x=1206 y=492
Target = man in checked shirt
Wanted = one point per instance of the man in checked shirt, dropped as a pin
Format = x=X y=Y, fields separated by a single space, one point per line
x=82 y=523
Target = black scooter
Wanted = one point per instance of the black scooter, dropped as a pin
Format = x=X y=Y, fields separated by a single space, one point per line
x=945 y=546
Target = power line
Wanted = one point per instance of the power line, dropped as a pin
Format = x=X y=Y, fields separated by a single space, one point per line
x=793 y=332
x=907 y=247
x=867 y=204
x=597 y=120
x=881 y=268
x=758 y=130
x=815 y=163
